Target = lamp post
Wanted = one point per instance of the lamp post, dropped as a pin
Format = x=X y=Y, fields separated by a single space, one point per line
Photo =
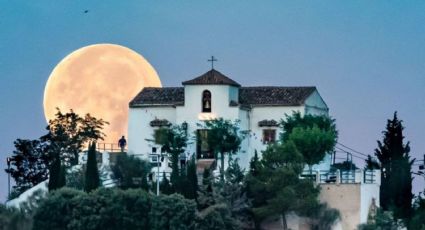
x=8 y=160
x=157 y=176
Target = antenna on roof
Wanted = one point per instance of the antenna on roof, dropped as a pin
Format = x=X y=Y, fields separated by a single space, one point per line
x=212 y=60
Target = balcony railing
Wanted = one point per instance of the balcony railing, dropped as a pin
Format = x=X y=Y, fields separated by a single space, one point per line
x=343 y=176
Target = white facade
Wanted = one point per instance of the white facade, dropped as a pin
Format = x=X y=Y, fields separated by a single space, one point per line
x=184 y=104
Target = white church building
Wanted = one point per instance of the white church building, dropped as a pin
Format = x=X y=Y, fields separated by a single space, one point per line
x=214 y=95
x=259 y=110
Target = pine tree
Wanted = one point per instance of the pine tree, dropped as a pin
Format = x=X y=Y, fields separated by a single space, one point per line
x=224 y=138
x=56 y=173
x=396 y=180
x=92 y=180
x=254 y=164
x=371 y=163
x=205 y=193
x=29 y=164
x=192 y=179
x=165 y=186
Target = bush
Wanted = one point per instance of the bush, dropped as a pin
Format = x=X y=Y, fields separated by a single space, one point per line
x=13 y=219
x=172 y=212
x=131 y=172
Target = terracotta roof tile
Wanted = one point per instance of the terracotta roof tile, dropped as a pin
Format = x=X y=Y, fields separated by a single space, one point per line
x=159 y=96
x=212 y=77
x=271 y=95
x=248 y=96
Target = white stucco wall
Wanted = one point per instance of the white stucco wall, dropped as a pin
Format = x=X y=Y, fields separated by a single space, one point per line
x=191 y=112
x=269 y=113
x=315 y=105
x=369 y=192
x=139 y=128
x=221 y=95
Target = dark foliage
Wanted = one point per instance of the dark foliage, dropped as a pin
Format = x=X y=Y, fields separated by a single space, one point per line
x=371 y=163
x=345 y=165
x=173 y=141
x=103 y=209
x=68 y=133
x=14 y=219
x=92 y=180
x=396 y=180
x=165 y=186
x=57 y=174
x=313 y=136
x=224 y=138
x=417 y=222
x=192 y=179
x=131 y=172
x=172 y=212
x=29 y=164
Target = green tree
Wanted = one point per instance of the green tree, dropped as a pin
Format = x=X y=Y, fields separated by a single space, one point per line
x=131 y=172
x=278 y=185
x=232 y=194
x=106 y=209
x=92 y=180
x=205 y=192
x=192 y=179
x=313 y=143
x=57 y=177
x=165 y=186
x=254 y=164
x=383 y=220
x=322 y=217
x=371 y=163
x=14 y=219
x=55 y=211
x=417 y=221
x=172 y=212
x=68 y=133
x=215 y=217
x=396 y=179
x=345 y=165
x=314 y=136
x=223 y=138
x=29 y=164
x=173 y=141
x=307 y=121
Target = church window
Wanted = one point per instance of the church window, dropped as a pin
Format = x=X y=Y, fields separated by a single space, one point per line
x=206 y=101
x=269 y=136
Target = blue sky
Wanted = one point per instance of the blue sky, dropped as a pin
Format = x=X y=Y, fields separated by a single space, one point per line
x=367 y=58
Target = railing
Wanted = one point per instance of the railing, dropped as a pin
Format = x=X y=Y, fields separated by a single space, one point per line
x=343 y=176
x=369 y=176
x=328 y=176
x=348 y=176
x=110 y=147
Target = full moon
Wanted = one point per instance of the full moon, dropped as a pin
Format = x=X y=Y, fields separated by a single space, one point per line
x=100 y=80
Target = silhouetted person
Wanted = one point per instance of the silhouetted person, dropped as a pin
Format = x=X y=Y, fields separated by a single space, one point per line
x=122 y=143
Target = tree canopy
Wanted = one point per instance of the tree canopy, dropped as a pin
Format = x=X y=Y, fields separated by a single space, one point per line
x=68 y=133
x=313 y=136
x=224 y=138
x=396 y=179
x=29 y=164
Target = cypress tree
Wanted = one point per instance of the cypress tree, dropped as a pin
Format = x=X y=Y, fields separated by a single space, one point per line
x=165 y=186
x=396 y=179
x=145 y=184
x=55 y=178
x=192 y=178
x=254 y=164
x=92 y=180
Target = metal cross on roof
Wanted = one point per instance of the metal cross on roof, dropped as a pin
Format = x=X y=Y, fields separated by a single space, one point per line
x=212 y=60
